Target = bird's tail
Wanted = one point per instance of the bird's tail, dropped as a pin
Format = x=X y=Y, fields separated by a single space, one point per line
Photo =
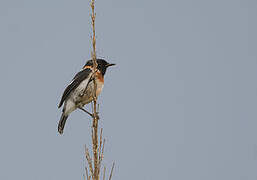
x=62 y=123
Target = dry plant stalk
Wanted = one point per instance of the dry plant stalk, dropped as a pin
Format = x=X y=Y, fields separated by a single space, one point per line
x=95 y=163
x=95 y=115
x=110 y=177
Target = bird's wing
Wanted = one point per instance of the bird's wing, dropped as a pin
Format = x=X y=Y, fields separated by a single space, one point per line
x=79 y=77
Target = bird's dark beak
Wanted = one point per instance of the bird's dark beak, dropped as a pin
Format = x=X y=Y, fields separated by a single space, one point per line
x=108 y=65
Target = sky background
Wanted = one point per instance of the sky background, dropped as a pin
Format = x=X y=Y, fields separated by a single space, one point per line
x=180 y=104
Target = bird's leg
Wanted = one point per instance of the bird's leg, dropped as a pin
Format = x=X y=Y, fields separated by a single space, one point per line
x=86 y=112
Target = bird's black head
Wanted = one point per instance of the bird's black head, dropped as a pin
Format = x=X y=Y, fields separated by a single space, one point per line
x=102 y=65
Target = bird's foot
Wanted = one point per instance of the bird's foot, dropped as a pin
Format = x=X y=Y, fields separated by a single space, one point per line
x=97 y=116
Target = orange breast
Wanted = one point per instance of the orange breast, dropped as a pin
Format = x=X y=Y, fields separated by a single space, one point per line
x=99 y=77
x=100 y=82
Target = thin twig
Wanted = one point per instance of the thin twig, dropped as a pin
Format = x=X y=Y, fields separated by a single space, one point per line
x=94 y=163
x=89 y=161
x=87 y=174
x=111 y=171
x=102 y=152
x=100 y=145
x=95 y=118
x=104 y=173
x=99 y=151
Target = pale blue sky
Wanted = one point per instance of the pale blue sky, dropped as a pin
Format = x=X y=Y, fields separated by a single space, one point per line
x=180 y=104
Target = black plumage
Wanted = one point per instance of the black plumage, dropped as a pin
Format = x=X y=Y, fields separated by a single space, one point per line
x=79 y=77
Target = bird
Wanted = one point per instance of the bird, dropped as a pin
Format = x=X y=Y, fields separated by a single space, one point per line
x=80 y=91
